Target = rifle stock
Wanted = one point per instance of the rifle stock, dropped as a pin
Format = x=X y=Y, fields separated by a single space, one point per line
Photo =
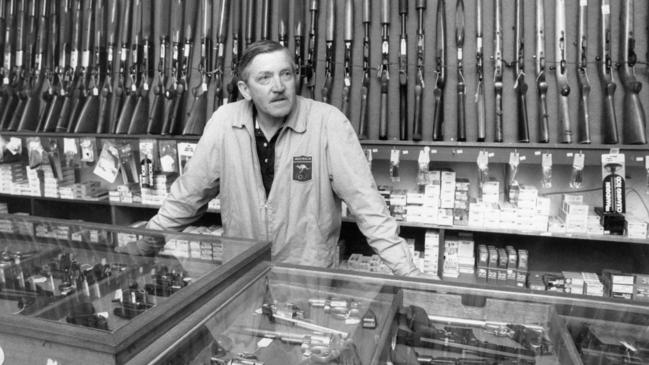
x=583 y=115
x=198 y=111
x=562 y=72
x=72 y=78
x=82 y=87
x=330 y=47
x=417 y=123
x=14 y=69
x=348 y=30
x=312 y=49
x=520 y=87
x=23 y=86
x=498 y=70
x=384 y=72
x=365 y=85
x=89 y=115
x=479 y=93
x=107 y=111
x=130 y=86
x=156 y=113
x=541 y=82
x=403 y=72
x=609 y=122
x=461 y=85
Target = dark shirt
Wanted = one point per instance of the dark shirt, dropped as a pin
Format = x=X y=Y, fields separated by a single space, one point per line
x=266 y=154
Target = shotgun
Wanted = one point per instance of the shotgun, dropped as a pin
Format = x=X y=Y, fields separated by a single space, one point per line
x=461 y=84
x=233 y=89
x=131 y=80
x=440 y=72
x=140 y=117
x=419 y=79
x=73 y=81
x=89 y=115
x=561 y=56
x=38 y=85
x=403 y=71
x=541 y=82
x=182 y=84
x=312 y=49
x=218 y=58
x=498 y=69
x=13 y=78
x=363 y=121
x=384 y=68
x=298 y=50
x=3 y=68
x=583 y=115
x=156 y=113
x=632 y=111
x=173 y=88
x=81 y=89
x=266 y=17
x=62 y=70
x=605 y=60
x=330 y=49
x=27 y=76
x=250 y=20
x=520 y=87
x=197 y=115
x=118 y=96
x=107 y=111
x=479 y=91
x=348 y=34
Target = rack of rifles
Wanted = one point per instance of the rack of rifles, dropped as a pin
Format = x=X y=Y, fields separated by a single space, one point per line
x=131 y=67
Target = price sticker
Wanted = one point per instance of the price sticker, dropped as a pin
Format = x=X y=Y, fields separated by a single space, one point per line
x=606 y=9
x=578 y=161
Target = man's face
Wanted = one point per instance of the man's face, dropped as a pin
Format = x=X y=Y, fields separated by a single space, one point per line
x=270 y=84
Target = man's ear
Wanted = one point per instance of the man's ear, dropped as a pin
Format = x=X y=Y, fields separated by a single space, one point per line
x=243 y=89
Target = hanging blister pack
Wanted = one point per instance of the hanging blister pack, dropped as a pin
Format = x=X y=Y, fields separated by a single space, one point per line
x=483 y=169
x=646 y=166
x=514 y=160
x=88 y=147
x=422 y=172
x=395 y=155
x=35 y=152
x=546 y=165
x=577 y=174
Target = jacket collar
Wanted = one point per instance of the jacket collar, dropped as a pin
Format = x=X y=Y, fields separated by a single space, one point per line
x=295 y=119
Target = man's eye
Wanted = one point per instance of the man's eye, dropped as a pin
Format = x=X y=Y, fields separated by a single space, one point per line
x=287 y=75
x=263 y=79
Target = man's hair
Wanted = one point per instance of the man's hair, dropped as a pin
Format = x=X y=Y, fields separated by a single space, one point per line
x=254 y=50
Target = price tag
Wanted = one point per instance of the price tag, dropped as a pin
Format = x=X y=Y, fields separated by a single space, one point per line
x=546 y=160
x=459 y=152
x=578 y=161
x=404 y=152
x=646 y=162
x=606 y=9
x=537 y=153
x=433 y=151
x=491 y=154
x=583 y=2
x=523 y=158
x=264 y=342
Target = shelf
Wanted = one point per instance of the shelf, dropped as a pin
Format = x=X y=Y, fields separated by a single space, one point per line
x=576 y=236
x=99 y=136
x=530 y=153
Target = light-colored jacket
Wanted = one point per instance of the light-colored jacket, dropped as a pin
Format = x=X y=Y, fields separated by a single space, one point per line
x=318 y=162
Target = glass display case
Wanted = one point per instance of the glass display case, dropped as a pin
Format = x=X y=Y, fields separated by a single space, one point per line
x=297 y=315
x=68 y=297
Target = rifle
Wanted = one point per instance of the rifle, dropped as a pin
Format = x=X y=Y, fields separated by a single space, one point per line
x=196 y=117
x=297 y=6
x=117 y=96
x=583 y=116
x=81 y=89
x=107 y=97
x=218 y=58
x=266 y=15
x=140 y=116
x=541 y=82
x=348 y=34
x=609 y=123
x=15 y=70
x=479 y=92
x=384 y=68
x=87 y=121
x=440 y=72
x=251 y=6
x=365 y=85
x=131 y=80
x=233 y=89
x=461 y=85
x=3 y=68
x=633 y=113
x=419 y=79
x=62 y=70
x=173 y=89
x=312 y=49
x=22 y=88
x=37 y=87
x=520 y=87
x=156 y=113
x=498 y=70
x=330 y=48
x=562 y=71
x=403 y=71
x=73 y=79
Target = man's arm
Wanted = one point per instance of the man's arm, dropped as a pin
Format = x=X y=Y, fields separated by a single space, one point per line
x=353 y=182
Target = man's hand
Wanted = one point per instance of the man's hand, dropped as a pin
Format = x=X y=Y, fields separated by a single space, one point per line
x=145 y=246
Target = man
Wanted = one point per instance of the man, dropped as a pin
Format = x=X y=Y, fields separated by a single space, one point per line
x=282 y=163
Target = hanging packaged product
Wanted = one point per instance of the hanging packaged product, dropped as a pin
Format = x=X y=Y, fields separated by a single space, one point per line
x=546 y=164
x=422 y=172
x=483 y=170
x=577 y=174
x=394 y=165
x=613 y=192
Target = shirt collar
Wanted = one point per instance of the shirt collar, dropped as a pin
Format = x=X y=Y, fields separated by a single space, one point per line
x=295 y=119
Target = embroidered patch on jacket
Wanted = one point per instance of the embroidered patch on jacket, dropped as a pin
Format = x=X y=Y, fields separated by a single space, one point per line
x=302 y=168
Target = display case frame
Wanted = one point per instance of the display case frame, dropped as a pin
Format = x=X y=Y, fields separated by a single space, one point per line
x=27 y=339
